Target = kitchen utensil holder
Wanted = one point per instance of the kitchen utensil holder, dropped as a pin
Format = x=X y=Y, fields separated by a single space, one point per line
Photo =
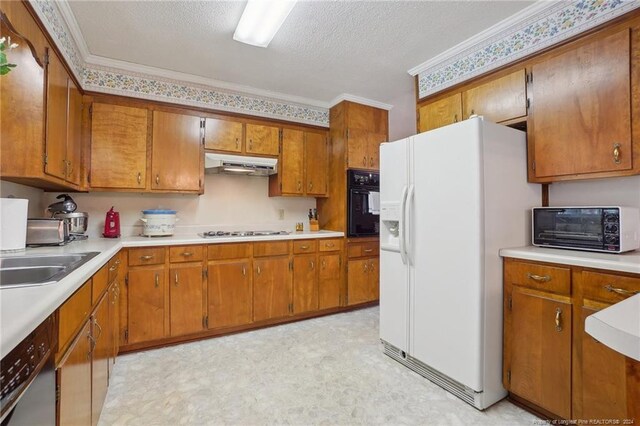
x=313 y=225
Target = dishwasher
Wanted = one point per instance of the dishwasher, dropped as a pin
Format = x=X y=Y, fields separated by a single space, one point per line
x=28 y=380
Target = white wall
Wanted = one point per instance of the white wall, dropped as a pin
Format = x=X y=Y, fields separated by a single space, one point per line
x=402 y=117
x=229 y=202
x=623 y=191
x=34 y=195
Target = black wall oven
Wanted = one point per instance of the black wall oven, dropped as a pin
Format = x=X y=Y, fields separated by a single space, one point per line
x=363 y=203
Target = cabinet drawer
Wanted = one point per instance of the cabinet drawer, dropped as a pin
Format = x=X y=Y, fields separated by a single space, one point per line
x=146 y=256
x=364 y=249
x=305 y=246
x=99 y=283
x=229 y=251
x=114 y=265
x=607 y=287
x=333 y=244
x=73 y=313
x=270 y=248
x=185 y=254
x=540 y=277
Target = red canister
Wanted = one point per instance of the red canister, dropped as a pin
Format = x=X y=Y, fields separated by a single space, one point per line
x=112 y=224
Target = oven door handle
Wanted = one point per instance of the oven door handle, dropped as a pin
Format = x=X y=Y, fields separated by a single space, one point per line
x=403 y=202
x=407 y=220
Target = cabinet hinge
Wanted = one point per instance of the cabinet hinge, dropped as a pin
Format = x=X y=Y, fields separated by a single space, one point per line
x=280 y=135
x=280 y=186
x=126 y=279
x=206 y=321
x=89 y=177
x=339 y=261
x=510 y=303
x=528 y=104
x=291 y=265
x=126 y=335
x=509 y=376
x=533 y=166
x=46 y=57
x=347 y=133
x=290 y=308
x=530 y=77
x=205 y=273
x=91 y=109
x=57 y=393
x=46 y=159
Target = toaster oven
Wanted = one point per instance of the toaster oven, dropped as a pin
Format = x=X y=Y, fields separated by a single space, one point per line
x=611 y=229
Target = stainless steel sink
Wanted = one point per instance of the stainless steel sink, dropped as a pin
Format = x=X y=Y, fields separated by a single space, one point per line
x=23 y=271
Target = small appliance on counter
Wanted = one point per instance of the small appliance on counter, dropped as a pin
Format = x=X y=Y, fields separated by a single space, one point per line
x=47 y=232
x=112 y=224
x=608 y=229
x=76 y=222
x=67 y=205
x=158 y=222
x=13 y=224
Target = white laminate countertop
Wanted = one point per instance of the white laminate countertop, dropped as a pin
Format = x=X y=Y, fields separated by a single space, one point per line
x=618 y=327
x=23 y=309
x=624 y=262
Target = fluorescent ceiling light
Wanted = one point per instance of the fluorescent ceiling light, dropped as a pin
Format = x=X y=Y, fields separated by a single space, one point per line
x=261 y=20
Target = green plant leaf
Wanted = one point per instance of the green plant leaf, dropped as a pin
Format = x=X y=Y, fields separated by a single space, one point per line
x=3 y=58
x=4 y=70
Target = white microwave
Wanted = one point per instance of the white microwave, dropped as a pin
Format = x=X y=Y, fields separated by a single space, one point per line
x=610 y=229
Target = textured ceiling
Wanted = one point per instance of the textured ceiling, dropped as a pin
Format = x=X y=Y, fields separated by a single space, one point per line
x=324 y=48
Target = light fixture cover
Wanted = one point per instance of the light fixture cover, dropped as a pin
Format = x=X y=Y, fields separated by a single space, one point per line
x=261 y=20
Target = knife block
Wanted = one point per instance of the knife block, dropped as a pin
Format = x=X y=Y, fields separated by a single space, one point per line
x=313 y=225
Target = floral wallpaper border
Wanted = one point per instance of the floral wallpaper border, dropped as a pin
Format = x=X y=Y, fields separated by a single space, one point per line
x=551 y=26
x=118 y=82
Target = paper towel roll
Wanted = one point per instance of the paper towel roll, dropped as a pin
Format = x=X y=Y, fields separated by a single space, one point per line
x=13 y=223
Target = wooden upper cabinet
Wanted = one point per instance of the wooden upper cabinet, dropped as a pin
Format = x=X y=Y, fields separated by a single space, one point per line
x=373 y=149
x=185 y=295
x=118 y=147
x=316 y=163
x=261 y=139
x=357 y=153
x=292 y=162
x=176 y=160
x=498 y=100
x=74 y=135
x=223 y=135
x=581 y=116
x=56 y=124
x=440 y=113
x=539 y=357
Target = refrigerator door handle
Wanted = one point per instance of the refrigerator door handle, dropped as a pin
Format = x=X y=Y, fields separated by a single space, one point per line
x=406 y=219
x=403 y=203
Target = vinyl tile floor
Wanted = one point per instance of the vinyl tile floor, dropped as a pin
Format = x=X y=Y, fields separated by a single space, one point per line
x=324 y=371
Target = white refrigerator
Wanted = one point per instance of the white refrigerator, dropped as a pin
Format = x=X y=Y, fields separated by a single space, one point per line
x=449 y=200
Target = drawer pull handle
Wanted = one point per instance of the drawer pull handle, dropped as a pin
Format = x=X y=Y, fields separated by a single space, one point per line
x=187 y=254
x=117 y=262
x=539 y=278
x=157 y=280
x=329 y=244
x=558 y=319
x=157 y=179
x=304 y=247
x=311 y=265
x=368 y=250
x=324 y=264
x=612 y=289
x=146 y=257
x=113 y=268
x=616 y=153
x=366 y=268
x=176 y=279
x=237 y=143
x=371 y=267
x=95 y=322
x=139 y=178
x=259 y=271
x=244 y=270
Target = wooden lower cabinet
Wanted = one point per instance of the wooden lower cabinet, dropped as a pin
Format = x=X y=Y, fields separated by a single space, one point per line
x=272 y=282
x=229 y=293
x=186 y=291
x=146 y=309
x=102 y=346
x=363 y=281
x=329 y=280
x=539 y=362
x=551 y=363
x=305 y=283
x=114 y=322
x=74 y=381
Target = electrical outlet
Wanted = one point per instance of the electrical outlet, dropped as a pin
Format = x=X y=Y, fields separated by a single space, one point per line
x=281 y=214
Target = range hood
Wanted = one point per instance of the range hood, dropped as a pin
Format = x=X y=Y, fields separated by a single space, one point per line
x=239 y=165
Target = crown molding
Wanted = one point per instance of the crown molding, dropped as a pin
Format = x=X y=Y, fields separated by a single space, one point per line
x=496 y=30
x=74 y=29
x=101 y=62
x=359 y=100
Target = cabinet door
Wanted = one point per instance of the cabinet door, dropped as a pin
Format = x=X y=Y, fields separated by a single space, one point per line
x=100 y=358
x=271 y=288
x=540 y=358
x=56 y=127
x=329 y=281
x=581 y=109
x=262 y=139
x=186 y=293
x=604 y=379
x=374 y=279
x=230 y=293
x=316 y=163
x=292 y=163
x=146 y=304
x=118 y=147
x=176 y=155
x=373 y=149
x=74 y=379
x=498 y=100
x=114 y=323
x=305 y=284
x=358 y=281
x=357 y=143
x=74 y=135
x=223 y=135
x=441 y=113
